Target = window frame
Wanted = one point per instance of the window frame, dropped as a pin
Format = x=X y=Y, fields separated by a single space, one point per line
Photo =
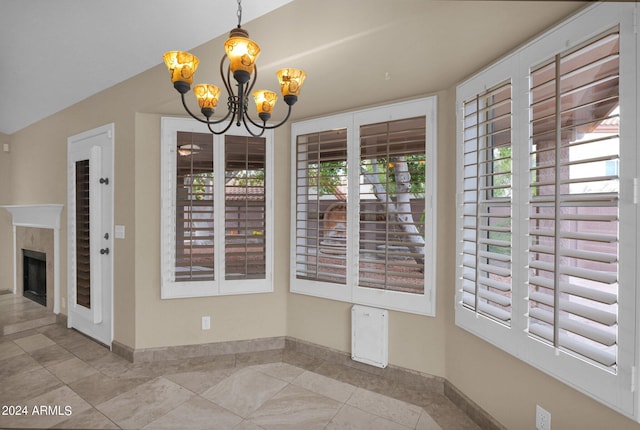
x=220 y=286
x=616 y=390
x=351 y=292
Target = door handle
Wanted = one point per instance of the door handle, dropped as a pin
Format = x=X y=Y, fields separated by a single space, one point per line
x=104 y=251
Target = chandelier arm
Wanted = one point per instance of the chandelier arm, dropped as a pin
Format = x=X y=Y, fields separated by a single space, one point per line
x=229 y=112
x=240 y=103
x=253 y=80
x=247 y=117
x=231 y=92
x=246 y=126
x=204 y=121
x=227 y=80
x=264 y=125
x=184 y=104
x=223 y=131
x=270 y=127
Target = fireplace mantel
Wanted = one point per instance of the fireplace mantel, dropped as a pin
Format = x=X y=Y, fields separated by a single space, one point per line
x=39 y=216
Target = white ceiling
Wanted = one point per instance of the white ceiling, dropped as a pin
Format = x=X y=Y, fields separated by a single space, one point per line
x=55 y=53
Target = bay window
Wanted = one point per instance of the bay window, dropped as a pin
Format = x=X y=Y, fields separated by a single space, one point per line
x=364 y=229
x=547 y=221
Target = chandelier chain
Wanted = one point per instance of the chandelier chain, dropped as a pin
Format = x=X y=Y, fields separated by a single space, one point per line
x=239 y=13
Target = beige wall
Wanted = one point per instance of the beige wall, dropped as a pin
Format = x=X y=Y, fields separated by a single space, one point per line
x=178 y=321
x=510 y=389
x=39 y=176
x=6 y=251
x=35 y=172
x=5 y=167
x=6 y=231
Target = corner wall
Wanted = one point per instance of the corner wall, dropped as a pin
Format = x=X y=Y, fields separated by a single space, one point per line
x=416 y=342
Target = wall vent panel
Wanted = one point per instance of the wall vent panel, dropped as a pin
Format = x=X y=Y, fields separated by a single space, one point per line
x=370 y=335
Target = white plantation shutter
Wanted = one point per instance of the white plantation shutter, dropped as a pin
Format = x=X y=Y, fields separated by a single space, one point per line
x=364 y=229
x=563 y=296
x=574 y=198
x=392 y=163
x=321 y=206
x=217 y=235
x=245 y=208
x=486 y=204
x=194 y=256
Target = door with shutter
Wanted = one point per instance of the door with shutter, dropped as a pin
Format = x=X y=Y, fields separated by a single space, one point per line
x=90 y=219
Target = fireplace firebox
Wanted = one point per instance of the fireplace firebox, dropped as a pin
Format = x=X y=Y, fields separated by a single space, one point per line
x=35 y=276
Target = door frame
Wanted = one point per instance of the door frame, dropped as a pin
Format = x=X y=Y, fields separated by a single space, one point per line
x=75 y=320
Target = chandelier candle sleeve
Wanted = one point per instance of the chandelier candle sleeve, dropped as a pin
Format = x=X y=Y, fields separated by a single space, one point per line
x=242 y=53
x=182 y=66
x=207 y=96
x=265 y=101
x=290 y=81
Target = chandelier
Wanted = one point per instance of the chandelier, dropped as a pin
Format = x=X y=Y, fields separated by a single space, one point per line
x=240 y=57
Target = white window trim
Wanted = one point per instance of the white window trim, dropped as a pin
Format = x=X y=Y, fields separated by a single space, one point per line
x=423 y=304
x=171 y=289
x=618 y=391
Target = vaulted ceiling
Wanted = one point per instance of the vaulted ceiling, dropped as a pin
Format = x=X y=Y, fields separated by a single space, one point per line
x=54 y=54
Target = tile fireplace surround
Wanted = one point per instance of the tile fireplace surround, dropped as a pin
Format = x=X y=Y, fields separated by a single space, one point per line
x=41 y=241
x=37 y=228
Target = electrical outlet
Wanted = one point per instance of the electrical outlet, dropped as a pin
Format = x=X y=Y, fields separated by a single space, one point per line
x=543 y=419
x=206 y=323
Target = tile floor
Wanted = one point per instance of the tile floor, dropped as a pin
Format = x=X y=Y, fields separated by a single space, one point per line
x=58 y=378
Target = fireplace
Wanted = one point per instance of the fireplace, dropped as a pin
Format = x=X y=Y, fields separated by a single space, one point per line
x=37 y=227
x=34 y=270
